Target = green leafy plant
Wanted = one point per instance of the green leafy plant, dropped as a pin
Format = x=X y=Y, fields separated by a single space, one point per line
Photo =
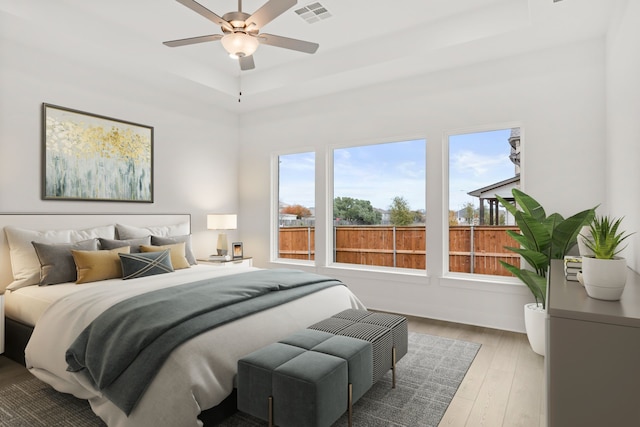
x=541 y=238
x=604 y=238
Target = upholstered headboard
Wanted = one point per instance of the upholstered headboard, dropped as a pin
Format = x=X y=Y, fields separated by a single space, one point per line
x=42 y=222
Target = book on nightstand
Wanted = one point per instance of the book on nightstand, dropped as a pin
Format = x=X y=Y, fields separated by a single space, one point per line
x=572 y=265
x=219 y=258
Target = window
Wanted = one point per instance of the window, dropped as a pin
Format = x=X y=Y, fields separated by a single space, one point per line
x=379 y=205
x=296 y=206
x=481 y=165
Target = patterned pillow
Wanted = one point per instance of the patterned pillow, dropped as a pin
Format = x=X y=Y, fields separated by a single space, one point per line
x=56 y=261
x=93 y=266
x=145 y=264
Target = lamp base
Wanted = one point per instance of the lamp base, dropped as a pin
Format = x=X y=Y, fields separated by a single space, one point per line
x=223 y=246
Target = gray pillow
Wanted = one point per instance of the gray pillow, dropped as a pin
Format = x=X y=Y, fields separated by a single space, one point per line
x=159 y=241
x=145 y=264
x=133 y=243
x=56 y=262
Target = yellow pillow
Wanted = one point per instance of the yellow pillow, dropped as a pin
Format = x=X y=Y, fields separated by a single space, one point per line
x=178 y=254
x=92 y=266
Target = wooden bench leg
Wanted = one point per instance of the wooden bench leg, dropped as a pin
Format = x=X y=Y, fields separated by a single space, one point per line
x=270 y=411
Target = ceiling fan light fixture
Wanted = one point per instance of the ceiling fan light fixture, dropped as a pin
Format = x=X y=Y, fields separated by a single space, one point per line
x=239 y=44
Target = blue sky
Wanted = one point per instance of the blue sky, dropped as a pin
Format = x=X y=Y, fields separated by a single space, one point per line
x=380 y=172
x=477 y=160
x=377 y=173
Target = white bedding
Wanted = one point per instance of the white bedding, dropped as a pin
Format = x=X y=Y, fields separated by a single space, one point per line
x=27 y=304
x=198 y=375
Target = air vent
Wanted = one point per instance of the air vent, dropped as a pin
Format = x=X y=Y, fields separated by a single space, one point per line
x=313 y=12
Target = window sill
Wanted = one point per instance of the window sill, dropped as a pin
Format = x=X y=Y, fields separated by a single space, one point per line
x=483 y=282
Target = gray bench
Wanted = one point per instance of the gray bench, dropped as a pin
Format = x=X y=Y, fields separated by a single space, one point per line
x=313 y=376
x=388 y=334
x=308 y=379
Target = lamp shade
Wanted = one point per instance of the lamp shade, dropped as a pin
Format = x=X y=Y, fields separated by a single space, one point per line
x=239 y=44
x=222 y=221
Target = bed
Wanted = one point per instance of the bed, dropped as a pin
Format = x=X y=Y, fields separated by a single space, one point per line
x=197 y=376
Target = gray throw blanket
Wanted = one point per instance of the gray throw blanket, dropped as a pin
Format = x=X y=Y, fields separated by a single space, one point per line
x=125 y=346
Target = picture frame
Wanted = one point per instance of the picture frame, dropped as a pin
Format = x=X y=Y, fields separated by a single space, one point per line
x=91 y=157
x=236 y=250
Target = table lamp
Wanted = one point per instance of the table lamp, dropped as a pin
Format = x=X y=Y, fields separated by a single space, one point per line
x=222 y=222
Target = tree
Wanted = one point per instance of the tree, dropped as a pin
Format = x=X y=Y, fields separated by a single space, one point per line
x=355 y=211
x=298 y=210
x=419 y=216
x=453 y=219
x=469 y=211
x=401 y=214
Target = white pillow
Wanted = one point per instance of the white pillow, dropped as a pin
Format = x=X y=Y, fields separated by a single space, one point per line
x=131 y=232
x=24 y=261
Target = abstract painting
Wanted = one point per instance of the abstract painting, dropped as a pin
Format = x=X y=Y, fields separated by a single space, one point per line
x=92 y=157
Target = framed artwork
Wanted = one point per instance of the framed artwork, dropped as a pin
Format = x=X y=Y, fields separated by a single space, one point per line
x=90 y=157
x=237 y=250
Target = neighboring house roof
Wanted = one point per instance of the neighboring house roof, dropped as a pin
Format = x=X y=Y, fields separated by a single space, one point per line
x=502 y=188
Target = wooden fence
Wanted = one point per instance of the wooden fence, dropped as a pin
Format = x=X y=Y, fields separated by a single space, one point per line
x=475 y=249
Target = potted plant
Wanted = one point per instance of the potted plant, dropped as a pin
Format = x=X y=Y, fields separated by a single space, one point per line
x=604 y=274
x=541 y=238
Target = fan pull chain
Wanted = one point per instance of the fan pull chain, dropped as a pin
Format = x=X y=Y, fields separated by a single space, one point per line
x=239 y=87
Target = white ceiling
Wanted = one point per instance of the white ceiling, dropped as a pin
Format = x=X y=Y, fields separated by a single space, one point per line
x=363 y=42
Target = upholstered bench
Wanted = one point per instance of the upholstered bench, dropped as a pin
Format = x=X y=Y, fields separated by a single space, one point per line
x=255 y=378
x=310 y=390
x=310 y=378
x=387 y=332
x=397 y=324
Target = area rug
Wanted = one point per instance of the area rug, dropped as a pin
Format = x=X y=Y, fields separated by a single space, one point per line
x=427 y=379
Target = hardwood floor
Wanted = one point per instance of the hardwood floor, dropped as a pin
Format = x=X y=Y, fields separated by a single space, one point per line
x=503 y=387
x=11 y=371
x=505 y=384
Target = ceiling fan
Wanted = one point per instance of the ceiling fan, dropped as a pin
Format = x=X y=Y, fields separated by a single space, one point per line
x=241 y=31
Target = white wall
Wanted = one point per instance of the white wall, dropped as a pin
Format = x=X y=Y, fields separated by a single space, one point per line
x=558 y=97
x=623 y=124
x=195 y=146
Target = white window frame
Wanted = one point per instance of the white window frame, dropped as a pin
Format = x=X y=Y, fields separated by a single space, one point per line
x=466 y=279
x=329 y=191
x=274 y=216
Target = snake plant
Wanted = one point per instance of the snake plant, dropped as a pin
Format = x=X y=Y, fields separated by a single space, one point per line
x=604 y=239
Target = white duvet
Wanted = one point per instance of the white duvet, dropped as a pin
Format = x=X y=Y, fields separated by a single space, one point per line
x=198 y=375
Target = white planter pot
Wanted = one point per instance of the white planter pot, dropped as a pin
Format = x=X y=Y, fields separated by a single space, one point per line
x=535 y=323
x=604 y=278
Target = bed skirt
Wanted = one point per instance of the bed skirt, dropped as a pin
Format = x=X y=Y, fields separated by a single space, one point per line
x=16 y=336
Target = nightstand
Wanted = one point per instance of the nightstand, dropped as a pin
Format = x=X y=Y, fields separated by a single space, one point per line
x=1 y=323
x=237 y=262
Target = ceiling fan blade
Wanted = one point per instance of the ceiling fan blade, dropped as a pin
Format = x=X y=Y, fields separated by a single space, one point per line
x=200 y=9
x=287 y=43
x=193 y=40
x=268 y=12
x=246 y=63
